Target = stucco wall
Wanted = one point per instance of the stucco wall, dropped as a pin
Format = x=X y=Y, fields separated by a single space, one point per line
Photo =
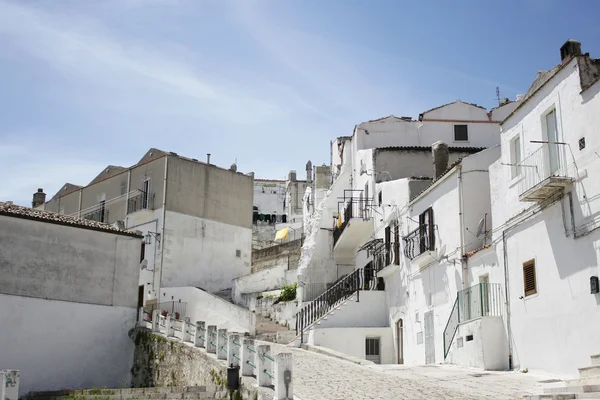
x=263 y=281
x=269 y=196
x=370 y=311
x=286 y=254
x=203 y=306
x=209 y=192
x=64 y=345
x=407 y=163
x=201 y=252
x=59 y=262
x=351 y=341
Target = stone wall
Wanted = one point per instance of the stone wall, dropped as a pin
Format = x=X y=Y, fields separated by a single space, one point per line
x=284 y=254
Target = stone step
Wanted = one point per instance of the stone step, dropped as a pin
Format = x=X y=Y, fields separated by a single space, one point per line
x=595 y=359
x=563 y=396
x=588 y=372
x=573 y=389
x=591 y=381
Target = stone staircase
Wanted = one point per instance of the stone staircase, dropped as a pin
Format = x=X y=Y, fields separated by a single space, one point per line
x=586 y=387
x=164 y=393
x=270 y=331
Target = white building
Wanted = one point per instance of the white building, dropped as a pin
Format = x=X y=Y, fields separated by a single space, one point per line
x=68 y=298
x=196 y=219
x=545 y=194
x=382 y=157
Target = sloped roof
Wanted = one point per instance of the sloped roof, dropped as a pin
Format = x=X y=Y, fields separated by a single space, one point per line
x=66 y=189
x=453 y=102
x=110 y=170
x=16 y=211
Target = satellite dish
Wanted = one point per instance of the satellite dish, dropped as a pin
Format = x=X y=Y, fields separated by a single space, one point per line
x=480 y=227
x=363 y=168
x=144 y=264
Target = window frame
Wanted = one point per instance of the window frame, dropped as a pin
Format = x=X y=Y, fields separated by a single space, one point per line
x=515 y=169
x=426 y=230
x=530 y=292
x=466 y=126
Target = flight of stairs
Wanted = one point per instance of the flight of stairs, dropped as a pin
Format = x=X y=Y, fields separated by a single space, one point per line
x=164 y=393
x=586 y=387
x=269 y=330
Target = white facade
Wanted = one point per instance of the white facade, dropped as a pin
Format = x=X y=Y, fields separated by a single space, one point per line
x=269 y=196
x=554 y=318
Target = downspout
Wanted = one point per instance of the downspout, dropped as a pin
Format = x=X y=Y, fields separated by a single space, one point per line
x=80 y=200
x=162 y=235
x=461 y=214
x=128 y=189
x=507 y=298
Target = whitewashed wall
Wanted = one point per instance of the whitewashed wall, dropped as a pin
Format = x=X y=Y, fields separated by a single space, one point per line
x=563 y=310
x=203 y=306
x=262 y=281
x=201 y=252
x=370 y=311
x=351 y=341
x=269 y=196
x=64 y=345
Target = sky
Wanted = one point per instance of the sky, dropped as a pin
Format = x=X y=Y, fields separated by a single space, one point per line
x=267 y=84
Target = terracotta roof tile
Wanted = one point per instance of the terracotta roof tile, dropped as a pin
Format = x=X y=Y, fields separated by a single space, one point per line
x=472 y=253
x=16 y=211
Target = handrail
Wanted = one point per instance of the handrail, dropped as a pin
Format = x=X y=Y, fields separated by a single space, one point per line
x=419 y=241
x=547 y=161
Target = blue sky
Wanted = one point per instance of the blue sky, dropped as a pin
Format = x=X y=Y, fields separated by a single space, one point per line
x=87 y=83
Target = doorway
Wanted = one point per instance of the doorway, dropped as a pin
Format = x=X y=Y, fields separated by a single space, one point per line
x=400 y=340
x=140 y=297
x=552 y=132
x=429 y=338
x=484 y=284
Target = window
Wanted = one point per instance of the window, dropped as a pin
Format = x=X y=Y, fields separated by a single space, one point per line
x=372 y=350
x=582 y=143
x=238 y=253
x=426 y=236
x=396 y=244
x=515 y=157
x=461 y=133
x=380 y=197
x=469 y=338
x=529 y=278
x=145 y=193
x=143 y=251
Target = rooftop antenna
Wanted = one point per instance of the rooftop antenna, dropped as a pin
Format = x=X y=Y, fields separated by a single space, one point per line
x=498 y=94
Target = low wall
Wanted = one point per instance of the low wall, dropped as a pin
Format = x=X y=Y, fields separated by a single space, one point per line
x=262 y=281
x=480 y=343
x=370 y=311
x=351 y=341
x=286 y=254
x=203 y=306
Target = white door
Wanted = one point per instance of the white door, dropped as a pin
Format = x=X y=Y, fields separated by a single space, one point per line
x=552 y=139
x=484 y=283
x=429 y=338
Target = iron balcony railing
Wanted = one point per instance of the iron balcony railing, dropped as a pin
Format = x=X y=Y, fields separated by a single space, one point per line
x=353 y=208
x=548 y=161
x=178 y=309
x=99 y=215
x=142 y=201
x=481 y=300
x=419 y=241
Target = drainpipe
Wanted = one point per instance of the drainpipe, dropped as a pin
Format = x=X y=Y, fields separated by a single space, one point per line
x=507 y=298
x=461 y=214
x=162 y=235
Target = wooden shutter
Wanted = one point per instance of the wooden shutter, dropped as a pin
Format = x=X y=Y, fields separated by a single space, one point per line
x=388 y=244
x=396 y=244
x=529 y=279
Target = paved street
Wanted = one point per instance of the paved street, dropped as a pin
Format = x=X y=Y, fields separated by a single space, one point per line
x=320 y=377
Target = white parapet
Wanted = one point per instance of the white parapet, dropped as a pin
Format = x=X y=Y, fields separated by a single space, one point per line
x=9 y=384
x=283 y=376
x=234 y=350
x=222 y=344
x=156 y=321
x=200 y=334
x=248 y=357
x=211 y=339
x=264 y=368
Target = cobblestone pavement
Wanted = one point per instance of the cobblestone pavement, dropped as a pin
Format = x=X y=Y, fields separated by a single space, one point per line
x=320 y=377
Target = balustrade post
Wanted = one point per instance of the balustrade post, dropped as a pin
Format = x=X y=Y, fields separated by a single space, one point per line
x=211 y=339
x=200 y=334
x=169 y=325
x=222 y=344
x=234 y=348
x=264 y=366
x=187 y=330
x=283 y=377
x=156 y=321
x=248 y=357
x=9 y=384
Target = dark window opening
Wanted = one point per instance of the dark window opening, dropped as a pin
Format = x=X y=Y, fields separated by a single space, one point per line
x=461 y=133
x=582 y=143
x=380 y=197
x=469 y=338
x=426 y=235
x=396 y=244
x=143 y=251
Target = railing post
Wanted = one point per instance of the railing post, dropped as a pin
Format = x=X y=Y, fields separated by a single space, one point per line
x=156 y=321
x=200 y=334
x=283 y=377
x=222 y=344
x=9 y=384
x=264 y=365
x=234 y=348
x=248 y=357
x=169 y=325
x=211 y=339
x=187 y=330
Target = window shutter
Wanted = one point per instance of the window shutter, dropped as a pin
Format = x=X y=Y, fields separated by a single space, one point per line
x=430 y=228
x=529 y=278
x=396 y=244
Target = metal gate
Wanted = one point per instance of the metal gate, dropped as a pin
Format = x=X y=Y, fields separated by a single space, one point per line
x=373 y=350
x=429 y=339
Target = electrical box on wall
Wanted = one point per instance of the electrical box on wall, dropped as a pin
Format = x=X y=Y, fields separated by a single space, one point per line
x=594 y=285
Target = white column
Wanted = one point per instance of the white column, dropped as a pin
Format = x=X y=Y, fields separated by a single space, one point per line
x=222 y=344
x=141 y=317
x=156 y=321
x=211 y=339
x=234 y=348
x=200 y=334
x=248 y=357
x=264 y=366
x=283 y=376
x=10 y=384
x=2 y=385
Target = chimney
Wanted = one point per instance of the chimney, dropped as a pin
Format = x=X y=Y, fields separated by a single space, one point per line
x=208 y=158
x=569 y=49
x=39 y=198
x=308 y=172
x=251 y=174
x=292 y=176
x=439 y=151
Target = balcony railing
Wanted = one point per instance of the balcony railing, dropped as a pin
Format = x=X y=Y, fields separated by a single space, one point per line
x=482 y=300
x=142 y=201
x=353 y=208
x=176 y=308
x=419 y=241
x=546 y=164
x=100 y=215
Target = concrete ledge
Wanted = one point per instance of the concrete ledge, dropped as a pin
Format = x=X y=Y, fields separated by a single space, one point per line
x=335 y=354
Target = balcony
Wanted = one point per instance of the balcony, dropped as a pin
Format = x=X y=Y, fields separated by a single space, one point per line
x=355 y=228
x=141 y=201
x=99 y=215
x=419 y=244
x=544 y=173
